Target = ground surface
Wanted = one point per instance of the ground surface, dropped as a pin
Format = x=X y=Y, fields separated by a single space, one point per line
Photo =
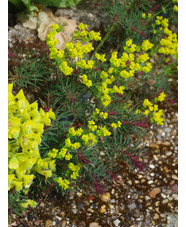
x=148 y=198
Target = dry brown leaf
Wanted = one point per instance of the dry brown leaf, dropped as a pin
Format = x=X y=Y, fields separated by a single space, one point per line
x=46 y=18
x=43 y=22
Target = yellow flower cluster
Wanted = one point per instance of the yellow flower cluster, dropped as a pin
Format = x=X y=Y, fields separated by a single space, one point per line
x=25 y=128
x=92 y=126
x=146 y=45
x=74 y=169
x=115 y=125
x=89 y=139
x=125 y=67
x=86 y=81
x=85 y=34
x=103 y=115
x=100 y=57
x=156 y=114
x=82 y=64
x=161 y=97
x=28 y=202
x=72 y=50
x=63 y=183
x=103 y=131
x=175 y=7
x=169 y=43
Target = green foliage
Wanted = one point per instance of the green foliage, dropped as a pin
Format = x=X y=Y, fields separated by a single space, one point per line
x=25 y=128
x=30 y=71
x=21 y=4
x=103 y=103
x=58 y=3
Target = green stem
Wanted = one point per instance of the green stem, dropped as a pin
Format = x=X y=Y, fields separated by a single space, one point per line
x=154 y=15
x=103 y=40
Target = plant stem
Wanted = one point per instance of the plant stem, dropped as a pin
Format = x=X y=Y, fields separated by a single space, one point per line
x=103 y=40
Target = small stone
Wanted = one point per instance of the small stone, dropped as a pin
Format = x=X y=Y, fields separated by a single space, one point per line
x=48 y=223
x=132 y=206
x=112 y=201
x=150 y=182
x=59 y=218
x=147 y=197
x=169 y=153
x=54 y=223
x=157 y=209
x=82 y=224
x=94 y=224
x=151 y=166
x=170 y=198
x=166 y=143
x=157 y=203
x=113 y=191
x=42 y=204
x=37 y=222
x=105 y=197
x=167 y=130
x=116 y=222
x=111 y=206
x=163 y=134
x=139 y=176
x=138 y=219
x=156 y=216
x=175 y=196
x=62 y=214
x=172 y=182
x=90 y=210
x=163 y=195
x=166 y=169
x=154 y=192
x=153 y=145
x=63 y=223
x=174 y=188
x=174 y=177
x=165 y=201
x=130 y=182
x=152 y=174
x=155 y=157
x=168 y=192
x=103 y=209
x=79 y=194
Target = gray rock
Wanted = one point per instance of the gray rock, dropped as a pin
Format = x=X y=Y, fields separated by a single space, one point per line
x=116 y=222
x=132 y=206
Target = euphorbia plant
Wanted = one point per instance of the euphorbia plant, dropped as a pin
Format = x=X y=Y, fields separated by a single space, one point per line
x=25 y=128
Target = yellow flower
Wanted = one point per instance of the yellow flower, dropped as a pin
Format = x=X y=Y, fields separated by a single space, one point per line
x=149 y=15
x=72 y=131
x=161 y=97
x=62 y=152
x=119 y=124
x=68 y=157
x=76 y=145
x=114 y=125
x=175 y=8
x=82 y=26
x=68 y=142
x=146 y=112
x=128 y=42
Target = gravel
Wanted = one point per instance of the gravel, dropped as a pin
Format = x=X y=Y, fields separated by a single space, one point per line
x=148 y=198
